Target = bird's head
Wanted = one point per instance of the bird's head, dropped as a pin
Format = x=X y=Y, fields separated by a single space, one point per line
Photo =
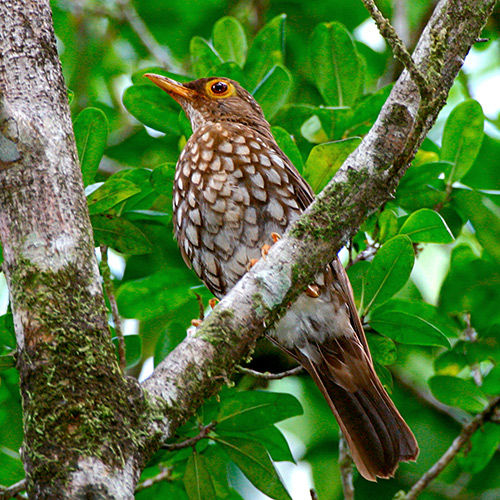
x=214 y=100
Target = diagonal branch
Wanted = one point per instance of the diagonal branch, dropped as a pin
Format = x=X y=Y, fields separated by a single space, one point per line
x=200 y=364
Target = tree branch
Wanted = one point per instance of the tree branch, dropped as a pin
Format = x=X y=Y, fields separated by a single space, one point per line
x=366 y=180
x=464 y=436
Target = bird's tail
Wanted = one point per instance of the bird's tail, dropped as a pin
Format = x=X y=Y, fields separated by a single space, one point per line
x=377 y=435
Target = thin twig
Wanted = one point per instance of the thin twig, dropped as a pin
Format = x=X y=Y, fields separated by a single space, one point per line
x=13 y=491
x=148 y=40
x=398 y=48
x=200 y=305
x=204 y=432
x=164 y=475
x=110 y=292
x=314 y=495
x=271 y=376
x=346 y=468
x=464 y=436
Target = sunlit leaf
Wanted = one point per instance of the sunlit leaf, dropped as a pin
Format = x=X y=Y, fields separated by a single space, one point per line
x=427 y=226
x=91 y=135
x=272 y=91
x=205 y=58
x=389 y=271
x=338 y=71
x=266 y=51
x=325 y=159
x=229 y=40
x=255 y=410
x=112 y=192
x=462 y=138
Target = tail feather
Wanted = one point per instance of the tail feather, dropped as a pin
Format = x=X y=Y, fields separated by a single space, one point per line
x=377 y=435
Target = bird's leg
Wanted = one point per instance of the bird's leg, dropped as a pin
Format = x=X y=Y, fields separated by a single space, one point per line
x=264 y=250
x=212 y=303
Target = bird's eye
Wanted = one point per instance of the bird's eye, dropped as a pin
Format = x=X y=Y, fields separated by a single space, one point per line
x=219 y=87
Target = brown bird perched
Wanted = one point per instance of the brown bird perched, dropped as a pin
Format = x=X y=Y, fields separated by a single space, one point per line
x=233 y=189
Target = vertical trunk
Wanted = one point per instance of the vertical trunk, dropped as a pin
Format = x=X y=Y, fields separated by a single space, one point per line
x=80 y=414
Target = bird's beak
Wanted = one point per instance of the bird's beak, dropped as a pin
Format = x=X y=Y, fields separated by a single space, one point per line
x=172 y=88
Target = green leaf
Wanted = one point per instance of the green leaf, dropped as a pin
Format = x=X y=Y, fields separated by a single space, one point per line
x=133 y=349
x=462 y=138
x=325 y=159
x=357 y=276
x=7 y=333
x=253 y=460
x=409 y=322
x=205 y=58
x=483 y=446
x=162 y=178
x=138 y=77
x=153 y=107
x=274 y=442
x=229 y=40
x=197 y=479
x=253 y=410
x=388 y=225
x=156 y=294
x=427 y=226
x=491 y=383
x=119 y=234
x=288 y=146
x=272 y=91
x=336 y=64
x=383 y=349
x=453 y=391
x=484 y=215
x=389 y=271
x=7 y=362
x=112 y=192
x=266 y=51
x=91 y=136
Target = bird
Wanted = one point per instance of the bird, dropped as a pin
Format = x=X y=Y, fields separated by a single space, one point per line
x=235 y=192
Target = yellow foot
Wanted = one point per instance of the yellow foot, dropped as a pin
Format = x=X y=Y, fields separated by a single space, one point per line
x=213 y=302
x=196 y=322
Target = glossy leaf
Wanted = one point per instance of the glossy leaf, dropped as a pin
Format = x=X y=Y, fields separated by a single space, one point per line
x=253 y=460
x=197 y=480
x=409 y=322
x=388 y=225
x=266 y=51
x=338 y=71
x=427 y=226
x=462 y=138
x=288 y=146
x=153 y=107
x=119 y=234
x=205 y=58
x=389 y=271
x=255 y=410
x=274 y=442
x=112 y=192
x=272 y=91
x=454 y=391
x=485 y=217
x=325 y=159
x=229 y=40
x=91 y=136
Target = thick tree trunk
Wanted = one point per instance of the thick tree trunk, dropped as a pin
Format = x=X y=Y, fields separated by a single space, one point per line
x=79 y=412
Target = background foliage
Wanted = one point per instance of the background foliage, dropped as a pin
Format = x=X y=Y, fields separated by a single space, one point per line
x=425 y=268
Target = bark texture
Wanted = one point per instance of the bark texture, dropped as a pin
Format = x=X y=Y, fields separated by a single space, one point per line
x=79 y=413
